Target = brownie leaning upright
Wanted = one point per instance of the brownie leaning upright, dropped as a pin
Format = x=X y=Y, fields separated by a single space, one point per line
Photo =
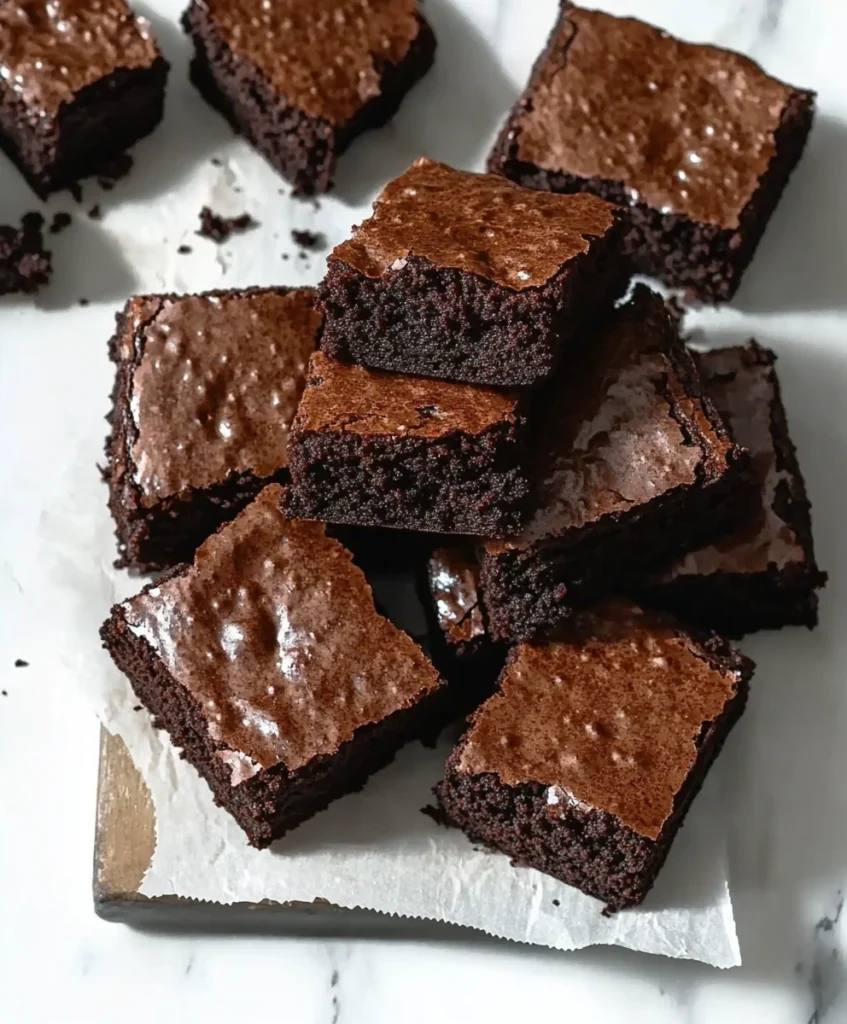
x=631 y=462
x=698 y=142
x=302 y=78
x=80 y=82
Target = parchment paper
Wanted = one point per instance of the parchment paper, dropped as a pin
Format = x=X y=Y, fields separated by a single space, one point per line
x=373 y=849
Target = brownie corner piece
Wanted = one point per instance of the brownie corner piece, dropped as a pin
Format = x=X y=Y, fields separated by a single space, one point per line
x=369 y=448
x=205 y=390
x=698 y=141
x=267 y=663
x=763 y=574
x=467 y=277
x=25 y=265
x=631 y=461
x=79 y=84
x=301 y=79
x=559 y=769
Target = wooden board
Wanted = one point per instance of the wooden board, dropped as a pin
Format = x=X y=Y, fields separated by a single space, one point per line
x=123 y=848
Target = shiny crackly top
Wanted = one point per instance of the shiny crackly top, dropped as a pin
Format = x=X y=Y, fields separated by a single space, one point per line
x=479 y=223
x=274 y=633
x=609 y=438
x=686 y=128
x=608 y=718
x=50 y=49
x=323 y=56
x=216 y=385
x=341 y=398
x=454 y=584
x=742 y=383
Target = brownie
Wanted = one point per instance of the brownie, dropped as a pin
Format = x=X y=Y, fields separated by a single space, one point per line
x=80 y=82
x=460 y=643
x=267 y=663
x=205 y=390
x=468 y=277
x=633 y=466
x=302 y=78
x=764 y=574
x=376 y=449
x=697 y=141
x=586 y=760
x=25 y=265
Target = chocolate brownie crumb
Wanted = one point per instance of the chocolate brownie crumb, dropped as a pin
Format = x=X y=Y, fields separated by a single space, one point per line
x=84 y=302
x=24 y=263
x=437 y=815
x=20 y=663
x=138 y=707
x=184 y=250
x=216 y=161
x=556 y=903
x=219 y=229
x=60 y=221
x=309 y=239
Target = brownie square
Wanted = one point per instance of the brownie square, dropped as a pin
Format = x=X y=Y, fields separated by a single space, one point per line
x=468 y=277
x=631 y=463
x=762 y=575
x=302 y=78
x=378 y=449
x=205 y=390
x=267 y=663
x=25 y=265
x=586 y=760
x=697 y=141
x=459 y=640
x=80 y=82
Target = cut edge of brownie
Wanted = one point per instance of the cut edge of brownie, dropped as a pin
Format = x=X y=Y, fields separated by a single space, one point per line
x=171 y=530
x=411 y=483
x=447 y=323
x=621 y=865
x=740 y=603
x=302 y=148
x=706 y=260
x=104 y=120
x=275 y=800
x=526 y=590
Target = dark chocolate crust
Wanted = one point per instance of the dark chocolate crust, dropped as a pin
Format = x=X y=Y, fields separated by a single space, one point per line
x=735 y=603
x=587 y=848
x=25 y=265
x=461 y=483
x=706 y=260
x=274 y=800
x=302 y=148
x=465 y=327
x=170 y=531
x=529 y=591
x=104 y=120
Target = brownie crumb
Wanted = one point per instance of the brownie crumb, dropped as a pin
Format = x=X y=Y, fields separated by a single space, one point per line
x=4 y=693
x=184 y=249
x=437 y=815
x=303 y=255
x=216 y=161
x=60 y=221
x=20 y=663
x=137 y=707
x=556 y=903
x=285 y=256
x=111 y=171
x=218 y=229
x=95 y=212
x=83 y=302
x=24 y=263
x=309 y=239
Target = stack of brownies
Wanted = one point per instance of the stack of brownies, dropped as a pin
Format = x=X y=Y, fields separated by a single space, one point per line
x=481 y=374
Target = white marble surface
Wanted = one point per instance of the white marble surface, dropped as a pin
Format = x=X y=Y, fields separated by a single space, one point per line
x=59 y=963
